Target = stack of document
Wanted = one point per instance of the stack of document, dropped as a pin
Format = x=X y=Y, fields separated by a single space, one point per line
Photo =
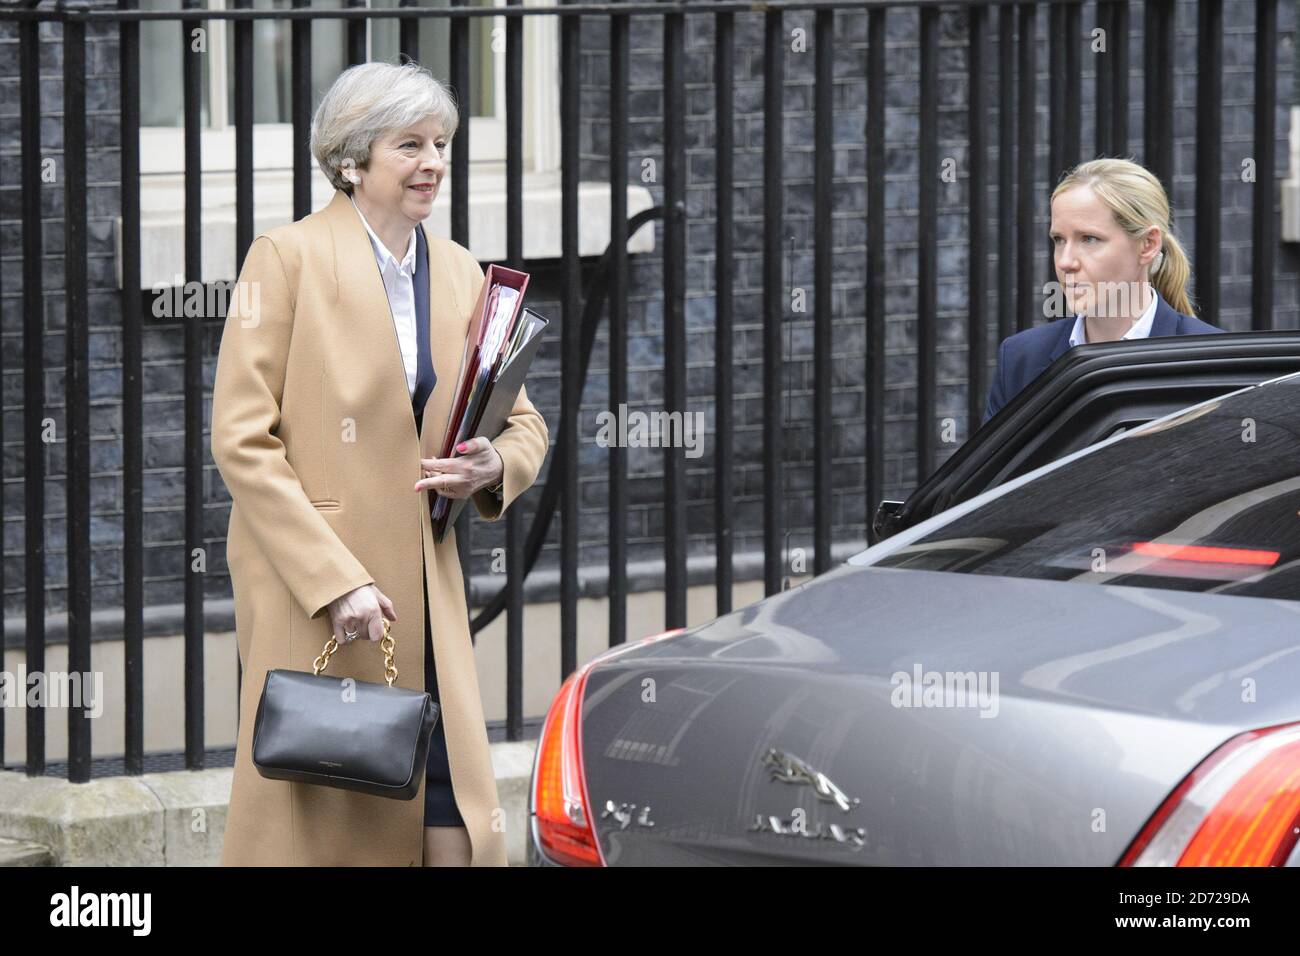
x=502 y=341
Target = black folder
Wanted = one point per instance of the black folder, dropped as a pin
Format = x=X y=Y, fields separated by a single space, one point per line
x=493 y=410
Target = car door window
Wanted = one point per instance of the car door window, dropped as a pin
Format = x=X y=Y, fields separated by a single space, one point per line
x=1206 y=501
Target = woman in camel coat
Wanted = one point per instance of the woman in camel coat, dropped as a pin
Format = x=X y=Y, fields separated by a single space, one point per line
x=329 y=408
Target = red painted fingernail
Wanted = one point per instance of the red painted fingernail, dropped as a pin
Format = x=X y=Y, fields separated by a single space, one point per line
x=461 y=446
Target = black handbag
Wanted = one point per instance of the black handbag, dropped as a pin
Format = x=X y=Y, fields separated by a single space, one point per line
x=366 y=736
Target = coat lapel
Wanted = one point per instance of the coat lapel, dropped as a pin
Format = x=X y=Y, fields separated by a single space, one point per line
x=1165 y=321
x=448 y=326
x=1066 y=326
x=362 y=298
x=361 y=294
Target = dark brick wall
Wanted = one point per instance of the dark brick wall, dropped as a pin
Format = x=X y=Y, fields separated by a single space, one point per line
x=161 y=382
x=164 y=492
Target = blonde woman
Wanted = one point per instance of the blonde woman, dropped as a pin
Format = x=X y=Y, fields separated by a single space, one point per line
x=332 y=393
x=1121 y=271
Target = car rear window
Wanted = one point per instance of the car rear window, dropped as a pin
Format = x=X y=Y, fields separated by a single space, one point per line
x=1206 y=501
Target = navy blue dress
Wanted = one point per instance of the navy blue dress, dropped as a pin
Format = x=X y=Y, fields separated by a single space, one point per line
x=440 y=808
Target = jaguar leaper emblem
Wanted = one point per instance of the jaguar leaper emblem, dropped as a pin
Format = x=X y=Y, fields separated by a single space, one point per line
x=787 y=768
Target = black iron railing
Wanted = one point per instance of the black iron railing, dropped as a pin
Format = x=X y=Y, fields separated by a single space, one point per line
x=1010 y=236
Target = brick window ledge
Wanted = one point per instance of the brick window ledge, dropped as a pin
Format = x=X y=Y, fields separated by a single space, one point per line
x=162 y=220
x=1291 y=186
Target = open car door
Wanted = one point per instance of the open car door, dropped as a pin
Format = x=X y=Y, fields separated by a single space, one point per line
x=1088 y=394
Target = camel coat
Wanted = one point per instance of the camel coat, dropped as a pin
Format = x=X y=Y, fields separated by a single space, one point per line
x=313 y=433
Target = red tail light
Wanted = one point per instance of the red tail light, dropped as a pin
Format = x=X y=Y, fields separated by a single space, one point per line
x=559 y=792
x=1239 y=807
x=1206 y=554
x=560 y=804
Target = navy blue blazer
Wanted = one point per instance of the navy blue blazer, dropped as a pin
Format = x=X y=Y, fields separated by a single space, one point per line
x=1023 y=356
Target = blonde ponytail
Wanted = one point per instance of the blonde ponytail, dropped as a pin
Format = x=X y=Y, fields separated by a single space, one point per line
x=1171 y=274
x=1138 y=202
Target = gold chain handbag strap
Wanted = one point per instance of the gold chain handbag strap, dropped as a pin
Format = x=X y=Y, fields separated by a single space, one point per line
x=386 y=642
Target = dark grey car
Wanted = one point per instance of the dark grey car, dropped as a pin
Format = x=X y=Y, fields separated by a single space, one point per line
x=1096 y=661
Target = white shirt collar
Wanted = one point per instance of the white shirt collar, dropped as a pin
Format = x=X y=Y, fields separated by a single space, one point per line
x=1141 y=328
x=382 y=255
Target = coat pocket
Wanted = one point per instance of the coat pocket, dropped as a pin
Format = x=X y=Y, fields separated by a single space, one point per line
x=327 y=504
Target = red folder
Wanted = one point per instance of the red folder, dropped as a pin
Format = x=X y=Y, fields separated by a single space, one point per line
x=495 y=278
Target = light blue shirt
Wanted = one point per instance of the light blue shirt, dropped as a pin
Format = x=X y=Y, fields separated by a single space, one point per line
x=399 y=283
x=1141 y=328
